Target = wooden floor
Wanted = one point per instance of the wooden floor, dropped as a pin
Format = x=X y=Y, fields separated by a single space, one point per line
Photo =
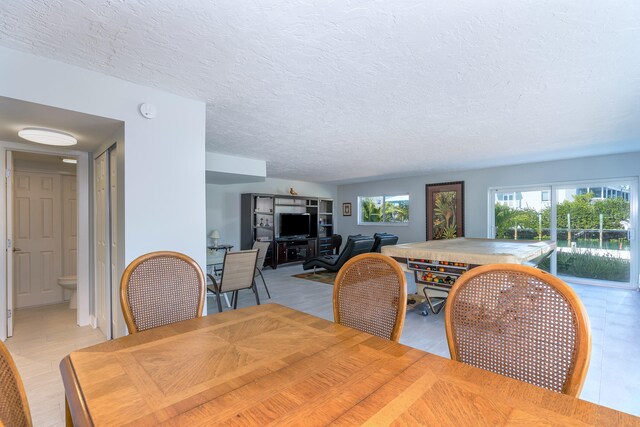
x=43 y=336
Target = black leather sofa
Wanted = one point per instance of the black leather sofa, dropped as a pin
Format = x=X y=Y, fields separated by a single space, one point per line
x=356 y=245
x=383 y=239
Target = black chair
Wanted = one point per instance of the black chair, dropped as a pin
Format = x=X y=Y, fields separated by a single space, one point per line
x=336 y=242
x=383 y=239
x=356 y=245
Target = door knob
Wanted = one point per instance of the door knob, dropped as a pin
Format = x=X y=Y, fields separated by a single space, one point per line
x=16 y=249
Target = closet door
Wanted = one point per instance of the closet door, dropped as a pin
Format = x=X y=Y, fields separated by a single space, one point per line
x=102 y=245
x=116 y=311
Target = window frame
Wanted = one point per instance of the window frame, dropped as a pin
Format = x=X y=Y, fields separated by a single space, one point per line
x=384 y=199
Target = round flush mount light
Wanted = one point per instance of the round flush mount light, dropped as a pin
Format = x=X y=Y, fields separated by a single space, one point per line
x=47 y=136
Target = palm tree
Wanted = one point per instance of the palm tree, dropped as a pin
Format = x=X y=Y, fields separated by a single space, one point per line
x=371 y=212
x=396 y=211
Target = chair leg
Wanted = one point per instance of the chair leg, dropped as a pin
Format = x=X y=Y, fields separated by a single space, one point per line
x=219 y=301
x=217 y=292
x=255 y=289
x=265 y=284
x=234 y=299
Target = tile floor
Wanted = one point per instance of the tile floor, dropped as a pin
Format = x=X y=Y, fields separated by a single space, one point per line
x=43 y=336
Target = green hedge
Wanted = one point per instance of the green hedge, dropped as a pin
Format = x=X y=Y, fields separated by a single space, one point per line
x=589 y=265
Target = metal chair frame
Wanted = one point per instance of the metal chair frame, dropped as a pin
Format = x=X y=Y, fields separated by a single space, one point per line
x=262 y=247
x=234 y=287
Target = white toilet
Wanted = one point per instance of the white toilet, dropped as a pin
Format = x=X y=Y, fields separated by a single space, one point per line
x=70 y=283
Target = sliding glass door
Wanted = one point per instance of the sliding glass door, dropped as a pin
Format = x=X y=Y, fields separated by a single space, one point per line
x=594 y=231
x=522 y=214
x=593 y=224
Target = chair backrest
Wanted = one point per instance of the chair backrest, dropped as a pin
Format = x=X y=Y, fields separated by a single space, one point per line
x=370 y=294
x=520 y=322
x=239 y=270
x=14 y=408
x=161 y=288
x=336 y=242
x=383 y=239
x=262 y=248
x=356 y=245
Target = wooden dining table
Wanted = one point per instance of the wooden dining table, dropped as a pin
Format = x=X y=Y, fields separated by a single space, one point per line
x=270 y=364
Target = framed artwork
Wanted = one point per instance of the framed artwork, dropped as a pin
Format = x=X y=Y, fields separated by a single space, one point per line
x=445 y=210
x=346 y=209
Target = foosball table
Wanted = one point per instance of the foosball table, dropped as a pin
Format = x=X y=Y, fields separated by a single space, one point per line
x=437 y=264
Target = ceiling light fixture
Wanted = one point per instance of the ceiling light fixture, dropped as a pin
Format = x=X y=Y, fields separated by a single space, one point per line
x=73 y=161
x=47 y=136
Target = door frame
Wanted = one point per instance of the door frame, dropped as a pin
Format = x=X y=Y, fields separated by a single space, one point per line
x=85 y=264
x=634 y=279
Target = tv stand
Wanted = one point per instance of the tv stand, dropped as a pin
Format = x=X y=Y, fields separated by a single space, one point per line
x=260 y=220
x=294 y=250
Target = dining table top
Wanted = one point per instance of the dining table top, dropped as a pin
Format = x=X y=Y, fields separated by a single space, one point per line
x=270 y=364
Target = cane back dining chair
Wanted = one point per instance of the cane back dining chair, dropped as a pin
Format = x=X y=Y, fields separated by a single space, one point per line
x=370 y=294
x=14 y=408
x=159 y=288
x=520 y=322
x=238 y=272
x=262 y=248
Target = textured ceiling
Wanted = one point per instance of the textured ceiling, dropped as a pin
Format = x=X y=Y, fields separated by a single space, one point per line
x=344 y=91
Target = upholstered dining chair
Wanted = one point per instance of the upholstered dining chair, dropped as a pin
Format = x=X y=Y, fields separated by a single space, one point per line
x=14 y=408
x=520 y=322
x=370 y=294
x=161 y=288
x=238 y=273
x=262 y=248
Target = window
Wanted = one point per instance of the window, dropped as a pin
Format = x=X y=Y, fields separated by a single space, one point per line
x=383 y=209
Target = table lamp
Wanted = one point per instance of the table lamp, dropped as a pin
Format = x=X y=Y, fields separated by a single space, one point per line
x=215 y=236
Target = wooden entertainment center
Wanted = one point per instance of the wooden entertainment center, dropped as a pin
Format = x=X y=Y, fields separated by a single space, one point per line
x=260 y=216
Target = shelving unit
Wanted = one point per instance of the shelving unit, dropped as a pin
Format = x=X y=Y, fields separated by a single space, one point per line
x=258 y=211
x=259 y=221
x=325 y=226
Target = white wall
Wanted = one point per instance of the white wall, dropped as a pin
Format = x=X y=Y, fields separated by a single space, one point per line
x=476 y=185
x=223 y=202
x=164 y=163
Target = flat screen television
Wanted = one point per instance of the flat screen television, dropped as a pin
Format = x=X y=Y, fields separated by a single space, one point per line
x=295 y=225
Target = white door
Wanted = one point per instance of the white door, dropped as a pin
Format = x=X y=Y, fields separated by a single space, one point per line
x=102 y=261
x=37 y=238
x=69 y=226
x=10 y=246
